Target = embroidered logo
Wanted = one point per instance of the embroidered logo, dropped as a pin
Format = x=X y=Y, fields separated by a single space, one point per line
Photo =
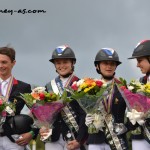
x=60 y=49
x=109 y=52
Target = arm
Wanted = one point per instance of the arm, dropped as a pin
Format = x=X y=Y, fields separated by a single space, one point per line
x=32 y=134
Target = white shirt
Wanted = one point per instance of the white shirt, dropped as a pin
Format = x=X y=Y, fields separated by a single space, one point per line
x=106 y=82
x=64 y=81
x=4 y=85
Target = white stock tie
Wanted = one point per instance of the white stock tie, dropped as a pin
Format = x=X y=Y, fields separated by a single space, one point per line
x=4 y=87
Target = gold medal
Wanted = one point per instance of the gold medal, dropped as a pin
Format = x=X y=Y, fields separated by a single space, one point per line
x=116 y=101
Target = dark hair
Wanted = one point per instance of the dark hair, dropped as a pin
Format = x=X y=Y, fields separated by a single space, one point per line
x=10 y=52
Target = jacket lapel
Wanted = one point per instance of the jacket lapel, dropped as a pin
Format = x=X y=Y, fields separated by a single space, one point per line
x=15 y=83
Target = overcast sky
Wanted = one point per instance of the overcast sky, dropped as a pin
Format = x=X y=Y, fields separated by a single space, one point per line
x=85 y=25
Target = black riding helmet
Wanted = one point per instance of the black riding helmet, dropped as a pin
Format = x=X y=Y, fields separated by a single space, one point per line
x=106 y=54
x=142 y=49
x=63 y=51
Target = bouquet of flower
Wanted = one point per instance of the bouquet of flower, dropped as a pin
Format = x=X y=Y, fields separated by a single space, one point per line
x=137 y=97
x=89 y=92
x=6 y=108
x=44 y=105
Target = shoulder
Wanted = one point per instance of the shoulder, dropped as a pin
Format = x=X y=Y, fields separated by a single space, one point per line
x=22 y=86
x=116 y=80
x=23 y=83
x=48 y=86
x=74 y=78
x=49 y=83
x=143 y=79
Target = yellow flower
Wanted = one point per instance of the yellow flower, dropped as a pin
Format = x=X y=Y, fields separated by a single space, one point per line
x=83 y=85
x=147 y=88
x=93 y=84
x=88 y=89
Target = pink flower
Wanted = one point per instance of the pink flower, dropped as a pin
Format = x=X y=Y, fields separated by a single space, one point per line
x=136 y=101
x=74 y=87
x=1 y=102
x=148 y=101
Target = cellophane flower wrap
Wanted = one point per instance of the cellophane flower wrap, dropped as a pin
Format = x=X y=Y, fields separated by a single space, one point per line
x=44 y=106
x=88 y=92
x=137 y=97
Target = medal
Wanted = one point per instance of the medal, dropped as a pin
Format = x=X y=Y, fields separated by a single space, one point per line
x=116 y=100
x=68 y=135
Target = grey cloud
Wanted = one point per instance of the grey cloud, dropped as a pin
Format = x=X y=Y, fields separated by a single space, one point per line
x=85 y=25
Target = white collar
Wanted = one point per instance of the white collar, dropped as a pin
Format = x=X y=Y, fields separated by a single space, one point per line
x=7 y=80
x=64 y=79
x=107 y=82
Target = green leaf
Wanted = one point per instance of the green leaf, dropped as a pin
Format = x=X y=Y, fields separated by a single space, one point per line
x=28 y=99
x=123 y=82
